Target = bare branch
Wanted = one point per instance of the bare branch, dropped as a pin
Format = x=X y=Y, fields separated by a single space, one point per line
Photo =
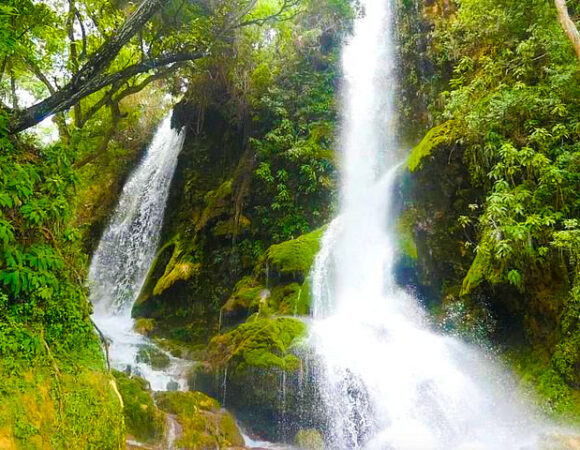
x=83 y=54
x=70 y=94
x=278 y=16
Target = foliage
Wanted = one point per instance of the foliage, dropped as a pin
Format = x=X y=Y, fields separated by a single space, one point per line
x=45 y=407
x=295 y=112
x=514 y=87
x=45 y=327
x=143 y=420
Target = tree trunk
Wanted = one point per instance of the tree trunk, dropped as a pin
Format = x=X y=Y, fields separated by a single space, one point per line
x=89 y=78
x=73 y=56
x=568 y=25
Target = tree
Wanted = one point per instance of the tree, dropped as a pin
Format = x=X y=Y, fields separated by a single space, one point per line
x=184 y=44
x=568 y=25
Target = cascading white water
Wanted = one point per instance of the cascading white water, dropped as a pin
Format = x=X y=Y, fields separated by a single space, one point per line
x=125 y=253
x=387 y=380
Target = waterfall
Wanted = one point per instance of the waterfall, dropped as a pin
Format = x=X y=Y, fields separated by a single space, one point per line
x=124 y=255
x=387 y=380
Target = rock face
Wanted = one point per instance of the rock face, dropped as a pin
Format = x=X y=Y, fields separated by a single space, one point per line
x=191 y=420
x=49 y=407
x=259 y=365
x=145 y=423
x=203 y=424
x=211 y=295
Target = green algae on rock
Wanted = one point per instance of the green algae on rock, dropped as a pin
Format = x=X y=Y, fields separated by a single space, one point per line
x=204 y=425
x=49 y=407
x=293 y=259
x=144 y=422
x=309 y=440
x=261 y=342
x=443 y=134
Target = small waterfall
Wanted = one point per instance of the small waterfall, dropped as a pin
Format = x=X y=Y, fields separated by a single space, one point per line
x=123 y=258
x=225 y=387
x=387 y=380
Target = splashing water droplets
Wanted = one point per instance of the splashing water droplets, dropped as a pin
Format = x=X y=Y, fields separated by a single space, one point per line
x=124 y=255
x=387 y=380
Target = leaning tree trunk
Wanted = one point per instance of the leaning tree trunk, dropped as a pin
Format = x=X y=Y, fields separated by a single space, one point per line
x=568 y=25
x=90 y=77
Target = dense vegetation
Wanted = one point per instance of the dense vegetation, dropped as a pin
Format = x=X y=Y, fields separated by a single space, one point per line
x=490 y=93
x=261 y=74
x=506 y=84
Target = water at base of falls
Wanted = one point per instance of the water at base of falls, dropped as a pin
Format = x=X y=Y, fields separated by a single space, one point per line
x=386 y=380
x=123 y=258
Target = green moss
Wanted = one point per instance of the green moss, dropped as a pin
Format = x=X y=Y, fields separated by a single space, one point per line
x=143 y=420
x=144 y=326
x=178 y=268
x=216 y=203
x=290 y=299
x=476 y=273
x=47 y=407
x=445 y=133
x=405 y=235
x=247 y=296
x=204 y=424
x=554 y=395
x=260 y=342
x=295 y=256
x=309 y=440
x=158 y=267
x=231 y=227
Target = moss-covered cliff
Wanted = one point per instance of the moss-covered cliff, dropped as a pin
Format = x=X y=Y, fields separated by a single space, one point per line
x=490 y=191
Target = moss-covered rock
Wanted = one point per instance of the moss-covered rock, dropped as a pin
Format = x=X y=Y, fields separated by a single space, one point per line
x=153 y=356
x=204 y=425
x=144 y=326
x=47 y=407
x=261 y=371
x=260 y=342
x=145 y=423
x=292 y=260
x=309 y=440
x=444 y=134
x=406 y=237
x=245 y=300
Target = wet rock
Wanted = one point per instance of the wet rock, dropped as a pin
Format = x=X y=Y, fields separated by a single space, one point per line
x=151 y=355
x=204 y=424
x=172 y=386
x=309 y=440
x=144 y=422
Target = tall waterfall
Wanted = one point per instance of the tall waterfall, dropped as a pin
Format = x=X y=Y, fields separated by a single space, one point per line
x=388 y=380
x=125 y=253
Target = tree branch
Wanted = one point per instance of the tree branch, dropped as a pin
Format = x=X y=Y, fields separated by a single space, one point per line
x=102 y=149
x=110 y=96
x=568 y=25
x=59 y=119
x=73 y=55
x=90 y=77
x=286 y=5
x=83 y=54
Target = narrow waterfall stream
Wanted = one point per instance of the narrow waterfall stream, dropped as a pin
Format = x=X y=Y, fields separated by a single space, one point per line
x=123 y=257
x=388 y=381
